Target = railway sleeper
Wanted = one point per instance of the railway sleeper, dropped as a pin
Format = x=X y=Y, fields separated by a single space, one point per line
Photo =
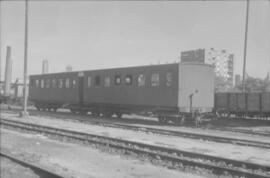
x=158 y=154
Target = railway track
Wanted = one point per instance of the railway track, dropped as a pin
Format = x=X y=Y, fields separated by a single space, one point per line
x=173 y=158
x=40 y=171
x=183 y=134
x=265 y=134
x=107 y=120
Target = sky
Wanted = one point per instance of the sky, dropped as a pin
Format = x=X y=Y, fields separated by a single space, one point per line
x=92 y=35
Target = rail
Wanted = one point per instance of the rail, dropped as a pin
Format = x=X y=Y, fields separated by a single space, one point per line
x=176 y=158
x=208 y=137
x=41 y=171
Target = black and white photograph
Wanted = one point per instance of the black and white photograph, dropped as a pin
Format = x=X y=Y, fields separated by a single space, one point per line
x=135 y=89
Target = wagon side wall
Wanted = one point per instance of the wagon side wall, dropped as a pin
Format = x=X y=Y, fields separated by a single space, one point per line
x=132 y=95
x=266 y=102
x=253 y=102
x=54 y=94
x=196 y=79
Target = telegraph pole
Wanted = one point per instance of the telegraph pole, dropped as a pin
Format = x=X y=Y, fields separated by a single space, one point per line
x=269 y=35
x=0 y=43
x=24 y=113
x=245 y=49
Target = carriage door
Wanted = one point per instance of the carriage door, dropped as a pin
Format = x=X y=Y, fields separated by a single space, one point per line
x=80 y=86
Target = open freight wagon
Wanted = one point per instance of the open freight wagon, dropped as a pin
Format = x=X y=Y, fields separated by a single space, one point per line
x=255 y=104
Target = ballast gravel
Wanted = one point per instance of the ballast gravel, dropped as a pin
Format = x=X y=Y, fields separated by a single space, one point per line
x=74 y=160
x=243 y=153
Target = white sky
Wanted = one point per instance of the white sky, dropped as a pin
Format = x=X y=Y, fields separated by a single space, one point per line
x=92 y=35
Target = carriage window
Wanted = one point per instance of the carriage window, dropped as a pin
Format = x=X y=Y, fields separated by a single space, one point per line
x=141 y=80
x=42 y=83
x=67 y=83
x=155 y=79
x=48 y=83
x=107 y=81
x=37 y=83
x=97 y=80
x=89 y=80
x=117 y=80
x=128 y=79
x=54 y=83
x=169 y=79
x=31 y=83
x=74 y=83
x=60 y=83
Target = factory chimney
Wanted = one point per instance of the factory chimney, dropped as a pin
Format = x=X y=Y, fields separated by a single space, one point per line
x=45 y=66
x=8 y=72
x=68 y=68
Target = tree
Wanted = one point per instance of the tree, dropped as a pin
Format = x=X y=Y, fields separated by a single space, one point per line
x=255 y=85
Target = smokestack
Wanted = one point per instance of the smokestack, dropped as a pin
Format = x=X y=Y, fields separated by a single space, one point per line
x=45 y=66
x=68 y=68
x=8 y=72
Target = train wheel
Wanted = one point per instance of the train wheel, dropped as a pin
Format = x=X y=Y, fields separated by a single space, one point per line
x=95 y=114
x=119 y=115
x=162 y=119
x=107 y=114
x=73 y=111
x=228 y=115
x=83 y=112
x=178 y=121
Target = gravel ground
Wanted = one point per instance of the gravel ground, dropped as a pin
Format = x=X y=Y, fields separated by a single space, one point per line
x=81 y=161
x=227 y=134
x=10 y=169
x=244 y=153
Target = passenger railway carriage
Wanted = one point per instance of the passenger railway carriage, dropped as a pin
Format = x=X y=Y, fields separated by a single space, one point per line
x=169 y=91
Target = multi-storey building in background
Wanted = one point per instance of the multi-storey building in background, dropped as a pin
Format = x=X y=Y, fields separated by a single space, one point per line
x=197 y=55
x=222 y=61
